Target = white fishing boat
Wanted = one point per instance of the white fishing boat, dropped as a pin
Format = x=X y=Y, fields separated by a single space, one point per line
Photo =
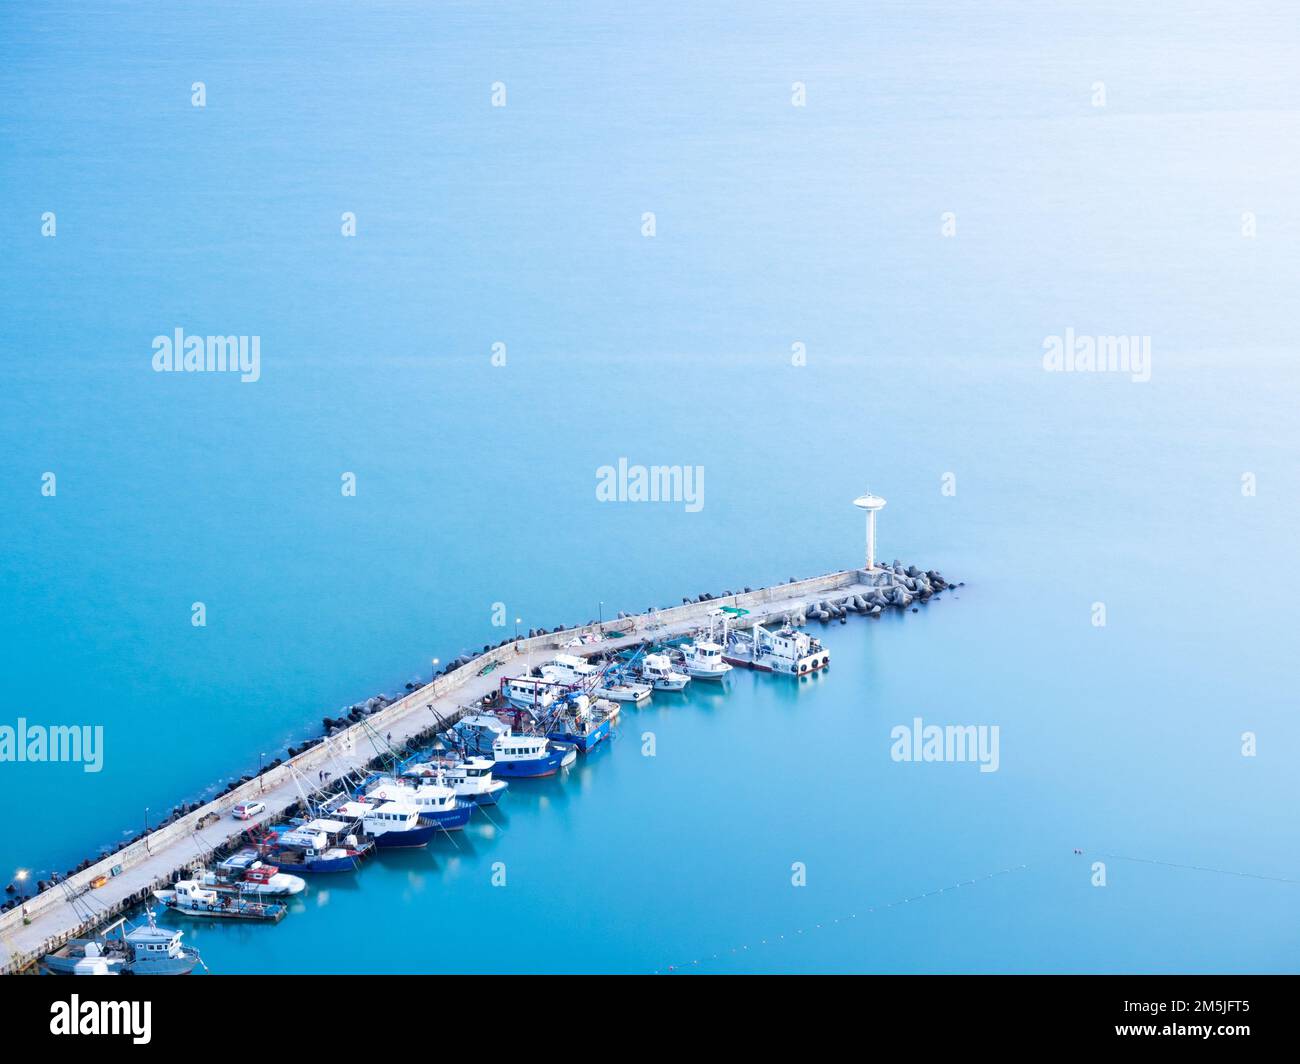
x=704 y=661
x=246 y=873
x=581 y=675
x=393 y=824
x=433 y=801
x=470 y=778
x=657 y=670
x=786 y=650
x=572 y=670
x=531 y=691
x=194 y=899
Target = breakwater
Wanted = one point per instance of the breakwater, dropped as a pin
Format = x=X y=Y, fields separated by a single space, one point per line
x=73 y=906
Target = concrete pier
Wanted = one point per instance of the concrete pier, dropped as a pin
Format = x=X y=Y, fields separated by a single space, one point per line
x=73 y=908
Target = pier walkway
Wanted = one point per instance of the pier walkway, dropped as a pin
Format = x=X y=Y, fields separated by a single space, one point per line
x=73 y=908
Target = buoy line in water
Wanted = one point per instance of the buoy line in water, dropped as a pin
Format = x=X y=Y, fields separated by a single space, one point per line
x=771 y=940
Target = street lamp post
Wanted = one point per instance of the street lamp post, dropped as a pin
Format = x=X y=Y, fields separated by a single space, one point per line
x=435 y=670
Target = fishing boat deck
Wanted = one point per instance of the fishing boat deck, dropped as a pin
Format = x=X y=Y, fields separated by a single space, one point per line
x=62 y=916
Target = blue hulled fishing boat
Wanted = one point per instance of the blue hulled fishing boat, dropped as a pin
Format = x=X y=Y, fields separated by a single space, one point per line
x=392 y=825
x=574 y=720
x=515 y=756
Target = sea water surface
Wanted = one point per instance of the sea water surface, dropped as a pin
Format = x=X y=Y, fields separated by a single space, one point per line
x=775 y=226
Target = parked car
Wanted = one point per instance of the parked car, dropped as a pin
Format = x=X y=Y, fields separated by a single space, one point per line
x=248 y=810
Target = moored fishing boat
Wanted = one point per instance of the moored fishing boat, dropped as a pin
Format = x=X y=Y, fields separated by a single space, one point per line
x=470 y=778
x=514 y=756
x=787 y=650
x=610 y=682
x=246 y=873
x=312 y=847
x=436 y=803
x=573 y=670
x=532 y=691
x=575 y=720
x=703 y=661
x=193 y=899
x=657 y=670
x=392 y=824
x=146 y=949
x=625 y=690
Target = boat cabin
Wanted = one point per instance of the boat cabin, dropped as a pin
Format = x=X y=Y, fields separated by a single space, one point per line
x=472 y=768
x=391 y=816
x=529 y=691
x=507 y=747
x=570 y=668
x=150 y=941
x=429 y=797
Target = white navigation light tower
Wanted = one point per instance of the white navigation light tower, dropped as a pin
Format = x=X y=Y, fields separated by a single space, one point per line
x=870 y=503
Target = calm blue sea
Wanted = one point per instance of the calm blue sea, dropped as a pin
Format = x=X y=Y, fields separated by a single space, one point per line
x=775 y=225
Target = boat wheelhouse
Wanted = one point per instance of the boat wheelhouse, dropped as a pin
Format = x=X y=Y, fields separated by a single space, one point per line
x=573 y=670
x=530 y=692
x=473 y=779
x=703 y=661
